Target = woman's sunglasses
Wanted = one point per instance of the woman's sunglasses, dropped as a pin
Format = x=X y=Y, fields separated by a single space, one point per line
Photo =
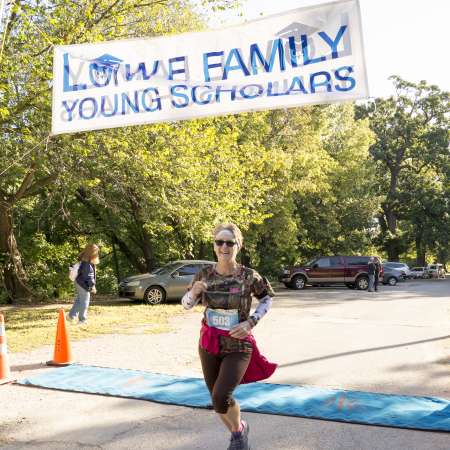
x=220 y=242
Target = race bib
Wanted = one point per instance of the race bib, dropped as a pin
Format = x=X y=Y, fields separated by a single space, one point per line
x=223 y=319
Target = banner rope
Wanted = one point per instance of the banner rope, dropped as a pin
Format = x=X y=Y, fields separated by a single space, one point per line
x=27 y=153
x=42 y=32
x=22 y=11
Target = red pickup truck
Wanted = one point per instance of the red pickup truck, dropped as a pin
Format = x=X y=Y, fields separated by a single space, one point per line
x=325 y=270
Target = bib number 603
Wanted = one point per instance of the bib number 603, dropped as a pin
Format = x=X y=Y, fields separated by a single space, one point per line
x=221 y=321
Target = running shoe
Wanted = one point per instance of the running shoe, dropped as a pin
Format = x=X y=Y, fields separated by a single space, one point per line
x=240 y=442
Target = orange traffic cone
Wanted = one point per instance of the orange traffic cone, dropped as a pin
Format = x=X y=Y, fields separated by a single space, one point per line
x=62 y=355
x=5 y=374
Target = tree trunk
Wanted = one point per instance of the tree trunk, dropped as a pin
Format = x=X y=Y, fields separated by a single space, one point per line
x=116 y=263
x=126 y=251
x=420 y=249
x=13 y=273
x=202 y=250
x=392 y=250
x=389 y=229
x=392 y=244
x=81 y=196
x=391 y=220
x=147 y=249
x=245 y=258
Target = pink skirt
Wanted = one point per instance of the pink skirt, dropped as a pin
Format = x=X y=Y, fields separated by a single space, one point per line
x=258 y=369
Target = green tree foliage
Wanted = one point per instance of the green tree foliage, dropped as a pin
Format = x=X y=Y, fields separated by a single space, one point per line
x=411 y=154
x=156 y=191
x=323 y=202
x=298 y=182
x=33 y=27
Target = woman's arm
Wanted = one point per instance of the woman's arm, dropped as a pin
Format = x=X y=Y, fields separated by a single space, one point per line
x=263 y=291
x=194 y=292
x=243 y=329
x=188 y=301
x=264 y=305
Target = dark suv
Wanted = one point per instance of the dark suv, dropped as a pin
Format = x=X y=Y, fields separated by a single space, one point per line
x=348 y=270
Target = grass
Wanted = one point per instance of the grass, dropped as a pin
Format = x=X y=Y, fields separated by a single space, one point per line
x=31 y=327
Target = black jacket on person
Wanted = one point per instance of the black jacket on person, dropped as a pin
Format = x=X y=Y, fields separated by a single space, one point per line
x=377 y=269
x=372 y=268
x=86 y=275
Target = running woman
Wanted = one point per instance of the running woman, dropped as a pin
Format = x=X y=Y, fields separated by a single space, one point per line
x=227 y=348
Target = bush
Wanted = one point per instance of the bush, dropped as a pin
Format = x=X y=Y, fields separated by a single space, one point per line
x=106 y=280
x=47 y=267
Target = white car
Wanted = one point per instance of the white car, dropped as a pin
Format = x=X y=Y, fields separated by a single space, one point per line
x=435 y=271
x=418 y=272
x=403 y=268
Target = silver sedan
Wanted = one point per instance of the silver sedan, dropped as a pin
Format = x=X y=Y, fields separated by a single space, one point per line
x=169 y=282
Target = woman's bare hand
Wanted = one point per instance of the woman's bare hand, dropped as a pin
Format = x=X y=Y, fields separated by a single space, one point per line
x=198 y=288
x=241 y=330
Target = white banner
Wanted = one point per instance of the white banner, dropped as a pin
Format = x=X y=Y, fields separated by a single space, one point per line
x=304 y=56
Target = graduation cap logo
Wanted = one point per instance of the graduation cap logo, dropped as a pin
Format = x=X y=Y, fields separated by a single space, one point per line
x=104 y=65
x=296 y=29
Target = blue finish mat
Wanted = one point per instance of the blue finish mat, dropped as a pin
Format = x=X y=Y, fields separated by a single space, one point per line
x=423 y=413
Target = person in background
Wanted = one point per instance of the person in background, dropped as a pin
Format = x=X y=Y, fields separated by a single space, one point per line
x=85 y=283
x=371 y=272
x=227 y=348
x=377 y=272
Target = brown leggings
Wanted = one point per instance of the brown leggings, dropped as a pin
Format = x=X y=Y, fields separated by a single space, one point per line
x=222 y=374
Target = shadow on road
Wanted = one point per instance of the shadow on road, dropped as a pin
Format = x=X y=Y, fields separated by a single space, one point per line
x=354 y=352
x=22 y=367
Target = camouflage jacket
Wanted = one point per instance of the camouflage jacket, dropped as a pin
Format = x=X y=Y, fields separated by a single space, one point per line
x=233 y=292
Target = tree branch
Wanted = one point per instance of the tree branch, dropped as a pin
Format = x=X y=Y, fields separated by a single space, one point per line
x=26 y=183
x=22 y=106
x=39 y=184
x=104 y=14
x=82 y=197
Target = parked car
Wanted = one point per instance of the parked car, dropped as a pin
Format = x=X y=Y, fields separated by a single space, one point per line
x=325 y=270
x=418 y=272
x=404 y=268
x=435 y=271
x=392 y=275
x=166 y=283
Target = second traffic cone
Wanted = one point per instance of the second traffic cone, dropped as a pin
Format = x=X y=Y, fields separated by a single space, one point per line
x=62 y=355
x=5 y=373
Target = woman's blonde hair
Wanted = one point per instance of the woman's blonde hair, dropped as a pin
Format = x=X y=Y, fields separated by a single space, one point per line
x=90 y=254
x=232 y=228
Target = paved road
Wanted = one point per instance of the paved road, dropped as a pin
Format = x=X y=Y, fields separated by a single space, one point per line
x=394 y=341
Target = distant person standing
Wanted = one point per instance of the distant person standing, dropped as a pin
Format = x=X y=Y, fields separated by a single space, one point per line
x=85 y=283
x=371 y=272
x=377 y=272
